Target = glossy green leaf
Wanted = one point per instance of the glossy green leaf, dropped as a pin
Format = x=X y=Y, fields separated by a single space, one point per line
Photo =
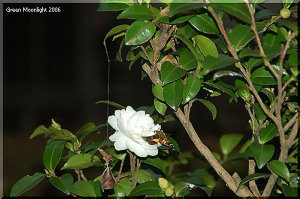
x=160 y=107
x=268 y=133
x=157 y=91
x=39 y=131
x=245 y=146
x=175 y=144
x=170 y=73
x=120 y=155
x=182 y=189
x=251 y=177
x=222 y=87
x=240 y=36
x=280 y=169
x=187 y=30
x=229 y=141
x=113 y=5
x=81 y=161
x=52 y=153
x=204 y=23
x=63 y=183
x=119 y=106
x=181 y=19
x=179 y=6
x=157 y=162
x=116 y=30
x=261 y=76
x=289 y=191
x=87 y=188
x=206 y=46
x=259 y=113
x=207 y=190
x=186 y=59
x=26 y=183
x=119 y=53
x=293 y=25
x=271 y=43
x=139 y=33
x=173 y=94
x=211 y=107
x=262 y=153
x=247 y=52
x=123 y=187
x=191 y=88
x=147 y=188
x=238 y=10
x=145 y=176
x=140 y=12
x=269 y=94
x=225 y=73
x=212 y=63
x=167 y=118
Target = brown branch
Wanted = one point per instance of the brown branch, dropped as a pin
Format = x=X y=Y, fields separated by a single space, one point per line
x=271 y=22
x=132 y=158
x=146 y=54
x=82 y=175
x=290 y=123
x=121 y=166
x=287 y=45
x=252 y=183
x=78 y=174
x=293 y=134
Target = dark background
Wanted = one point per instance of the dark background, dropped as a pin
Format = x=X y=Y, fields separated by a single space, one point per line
x=55 y=66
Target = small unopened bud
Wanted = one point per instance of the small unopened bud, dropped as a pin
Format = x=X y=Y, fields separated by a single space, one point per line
x=169 y=192
x=163 y=183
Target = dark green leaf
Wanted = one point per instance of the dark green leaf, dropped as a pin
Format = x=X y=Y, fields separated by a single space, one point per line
x=123 y=187
x=26 y=183
x=39 y=131
x=182 y=189
x=157 y=91
x=147 y=188
x=212 y=63
x=179 y=7
x=187 y=30
x=86 y=189
x=160 y=107
x=81 y=161
x=173 y=94
x=145 y=176
x=186 y=59
x=289 y=191
x=52 y=153
x=139 y=33
x=140 y=12
x=191 y=88
x=271 y=43
x=229 y=141
x=245 y=146
x=262 y=153
x=247 y=52
x=280 y=169
x=293 y=25
x=119 y=106
x=175 y=144
x=224 y=73
x=204 y=23
x=170 y=73
x=261 y=76
x=268 y=133
x=240 y=36
x=167 y=118
x=207 y=190
x=148 y=109
x=259 y=113
x=222 y=87
x=206 y=46
x=251 y=177
x=63 y=183
x=119 y=54
x=239 y=10
x=181 y=19
x=269 y=94
x=211 y=107
x=157 y=162
x=116 y=30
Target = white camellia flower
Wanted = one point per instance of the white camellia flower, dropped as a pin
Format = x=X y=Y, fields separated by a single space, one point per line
x=131 y=126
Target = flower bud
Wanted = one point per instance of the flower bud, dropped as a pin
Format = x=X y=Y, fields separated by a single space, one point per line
x=169 y=192
x=285 y=13
x=163 y=183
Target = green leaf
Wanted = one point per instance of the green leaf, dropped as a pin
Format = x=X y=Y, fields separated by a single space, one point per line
x=206 y=46
x=251 y=177
x=222 y=87
x=157 y=162
x=81 y=161
x=170 y=73
x=269 y=94
x=247 y=52
x=119 y=53
x=86 y=188
x=262 y=153
x=157 y=91
x=39 y=131
x=212 y=63
x=181 y=19
x=259 y=113
x=187 y=30
x=123 y=187
x=140 y=12
x=211 y=107
x=207 y=190
x=87 y=129
x=119 y=106
x=116 y=154
x=261 y=76
x=240 y=36
x=145 y=176
x=139 y=33
x=173 y=94
x=52 y=153
x=179 y=7
x=26 y=183
x=113 y=5
x=175 y=144
x=63 y=183
x=160 y=107
x=268 y=133
x=280 y=169
x=186 y=59
x=238 y=10
x=271 y=43
x=147 y=188
x=148 y=109
x=245 y=146
x=204 y=23
x=191 y=88
x=229 y=141
x=289 y=191
x=226 y=73
x=116 y=30
x=182 y=189
x=287 y=3
x=293 y=25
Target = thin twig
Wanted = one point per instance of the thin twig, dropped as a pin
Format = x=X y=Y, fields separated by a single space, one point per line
x=78 y=174
x=271 y=22
x=287 y=45
x=290 y=123
x=252 y=183
x=82 y=175
x=121 y=166
x=146 y=54
x=132 y=158
x=293 y=134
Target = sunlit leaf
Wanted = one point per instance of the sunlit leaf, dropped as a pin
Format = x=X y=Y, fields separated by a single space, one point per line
x=139 y=33
x=229 y=141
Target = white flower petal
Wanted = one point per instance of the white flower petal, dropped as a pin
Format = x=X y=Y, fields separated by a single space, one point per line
x=120 y=144
x=136 y=148
x=112 y=120
x=115 y=136
x=152 y=152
